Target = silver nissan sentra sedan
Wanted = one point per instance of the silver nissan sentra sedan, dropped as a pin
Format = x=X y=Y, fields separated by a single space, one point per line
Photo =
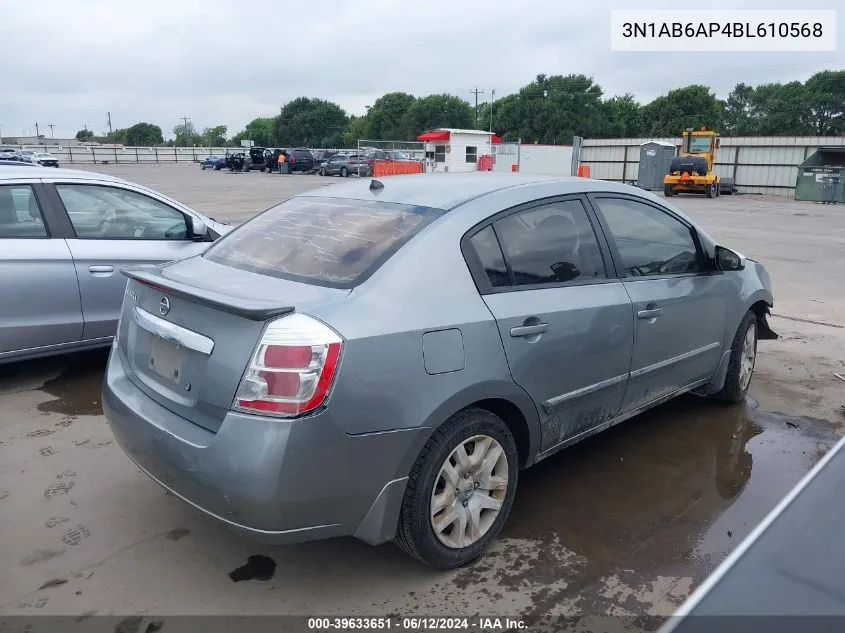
x=381 y=358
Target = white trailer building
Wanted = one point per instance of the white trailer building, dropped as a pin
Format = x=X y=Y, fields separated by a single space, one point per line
x=455 y=150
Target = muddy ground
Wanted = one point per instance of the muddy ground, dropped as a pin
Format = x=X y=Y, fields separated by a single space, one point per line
x=626 y=523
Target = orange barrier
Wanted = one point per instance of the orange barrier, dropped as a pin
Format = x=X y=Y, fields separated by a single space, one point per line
x=583 y=171
x=485 y=162
x=515 y=167
x=396 y=168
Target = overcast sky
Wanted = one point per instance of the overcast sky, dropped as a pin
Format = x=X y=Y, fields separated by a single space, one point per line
x=69 y=62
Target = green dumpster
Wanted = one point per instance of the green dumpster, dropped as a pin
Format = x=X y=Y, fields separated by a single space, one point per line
x=821 y=178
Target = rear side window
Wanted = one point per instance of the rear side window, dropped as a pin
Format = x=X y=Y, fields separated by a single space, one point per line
x=326 y=241
x=20 y=215
x=489 y=253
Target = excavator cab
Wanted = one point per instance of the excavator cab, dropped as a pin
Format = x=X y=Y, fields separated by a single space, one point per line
x=692 y=170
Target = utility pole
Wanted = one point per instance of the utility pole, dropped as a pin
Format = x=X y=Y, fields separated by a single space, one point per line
x=108 y=117
x=492 y=99
x=37 y=134
x=185 y=119
x=476 y=92
x=51 y=126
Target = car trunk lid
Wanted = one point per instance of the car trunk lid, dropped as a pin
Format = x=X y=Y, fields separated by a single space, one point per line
x=189 y=328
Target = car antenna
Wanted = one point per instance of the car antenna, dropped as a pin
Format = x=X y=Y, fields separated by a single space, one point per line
x=376 y=185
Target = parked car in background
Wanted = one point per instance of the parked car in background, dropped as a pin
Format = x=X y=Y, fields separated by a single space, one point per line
x=64 y=235
x=26 y=155
x=215 y=161
x=345 y=165
x=10 y=153
x=416 y=343
x=396 y=155
x=254 y=159
x=300 y=159
x=44 y=159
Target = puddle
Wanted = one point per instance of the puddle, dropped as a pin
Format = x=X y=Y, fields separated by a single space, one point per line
x=673 y=490
x=257 y=567
x=77 y=388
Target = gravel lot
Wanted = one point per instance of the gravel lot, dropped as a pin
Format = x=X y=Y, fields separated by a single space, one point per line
x=626 y=523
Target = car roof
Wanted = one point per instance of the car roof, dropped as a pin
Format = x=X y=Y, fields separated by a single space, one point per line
x=447 y=191
x=7 y=173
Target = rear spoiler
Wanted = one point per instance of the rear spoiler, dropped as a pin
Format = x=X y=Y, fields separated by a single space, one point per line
x=254 y=310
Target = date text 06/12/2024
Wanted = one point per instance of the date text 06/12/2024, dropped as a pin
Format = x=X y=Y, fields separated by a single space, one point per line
x=418 y=624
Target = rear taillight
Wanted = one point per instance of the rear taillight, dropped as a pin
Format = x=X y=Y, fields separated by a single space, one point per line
x=292 y=369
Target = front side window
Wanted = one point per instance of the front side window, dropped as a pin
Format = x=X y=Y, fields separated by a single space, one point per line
x=20 y=215
x=650 y=241
x=552 y=243
x=328 y=241
x=102 y=212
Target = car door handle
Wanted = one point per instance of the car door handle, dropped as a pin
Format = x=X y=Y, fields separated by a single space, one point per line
x=101 y=269
x=649 y=313
x=529 y=330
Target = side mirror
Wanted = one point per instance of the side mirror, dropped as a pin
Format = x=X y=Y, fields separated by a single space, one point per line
x=728 y=260
x=199 y=230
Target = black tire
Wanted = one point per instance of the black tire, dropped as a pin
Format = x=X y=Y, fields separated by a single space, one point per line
x=322 y=172
x=262 y=169
x=667 y=191
x=415 y=534
x=217 y=168
x=733 y=389
x=709 y=190
x=343 y=172
x=718 y=189
x=202 y=167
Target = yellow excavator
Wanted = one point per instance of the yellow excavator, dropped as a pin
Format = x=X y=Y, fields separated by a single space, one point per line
x=691 y=171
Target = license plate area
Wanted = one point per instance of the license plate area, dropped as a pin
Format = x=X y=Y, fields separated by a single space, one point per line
x=166 y=359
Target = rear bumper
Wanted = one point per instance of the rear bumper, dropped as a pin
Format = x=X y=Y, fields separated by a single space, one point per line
x=272 y=480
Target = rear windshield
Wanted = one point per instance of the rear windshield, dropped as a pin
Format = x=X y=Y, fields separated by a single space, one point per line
x=326 y=241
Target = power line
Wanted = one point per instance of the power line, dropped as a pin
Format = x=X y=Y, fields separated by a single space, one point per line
x=51 y=126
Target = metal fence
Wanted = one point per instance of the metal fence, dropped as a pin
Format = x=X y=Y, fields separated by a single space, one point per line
x=764 y=164
x=99 y=155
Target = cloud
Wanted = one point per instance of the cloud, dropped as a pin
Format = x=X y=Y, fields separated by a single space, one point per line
x=223 y=62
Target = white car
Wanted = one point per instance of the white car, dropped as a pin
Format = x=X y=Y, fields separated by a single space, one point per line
x=44 y=159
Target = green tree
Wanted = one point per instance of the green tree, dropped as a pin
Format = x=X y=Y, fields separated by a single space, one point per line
x=84 y=135
x=186 y=135
x=740 y=117
x=621 y=117
x=386 y=117
x=436 y=111
x=310 y=122
x=780 y=109
x=691 y=106
x=261 y=131
x=825 y=93
x=357 y=128
x=214 y=136
x=142 y=134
